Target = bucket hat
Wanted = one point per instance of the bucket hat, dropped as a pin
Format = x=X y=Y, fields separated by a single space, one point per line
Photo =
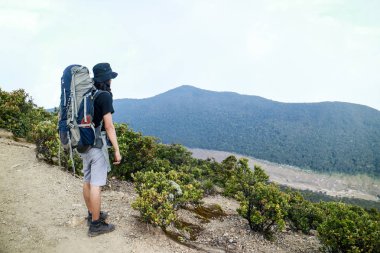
x=103 y=72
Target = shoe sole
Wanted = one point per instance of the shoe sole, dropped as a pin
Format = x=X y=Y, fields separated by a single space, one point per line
x=93 y=234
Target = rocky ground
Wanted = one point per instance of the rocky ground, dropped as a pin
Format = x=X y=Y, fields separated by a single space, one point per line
x=41 y=210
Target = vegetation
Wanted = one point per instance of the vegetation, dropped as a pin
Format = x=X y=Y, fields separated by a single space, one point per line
x=166 y=178
x=45 y=136
x=349 y=229
x=302 y=214
x=155 y=201
x=18 y=113
x=316 y=197
x=325 y=137
x=261 y=203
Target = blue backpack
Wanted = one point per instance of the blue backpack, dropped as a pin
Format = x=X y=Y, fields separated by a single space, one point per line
x=76 y=111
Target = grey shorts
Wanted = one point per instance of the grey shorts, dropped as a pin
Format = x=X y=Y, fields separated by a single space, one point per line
x=95 y=166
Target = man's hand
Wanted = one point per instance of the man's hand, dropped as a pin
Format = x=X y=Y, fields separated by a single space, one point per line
x=117 y=158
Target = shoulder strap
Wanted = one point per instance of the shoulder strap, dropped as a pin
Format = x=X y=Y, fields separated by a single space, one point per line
x=95 y=95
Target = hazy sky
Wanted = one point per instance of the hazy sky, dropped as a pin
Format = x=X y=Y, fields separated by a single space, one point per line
x=284 y=50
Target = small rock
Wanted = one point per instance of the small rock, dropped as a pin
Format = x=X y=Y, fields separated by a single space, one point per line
x=313 y=232
x=75 y=221
x=231 y=247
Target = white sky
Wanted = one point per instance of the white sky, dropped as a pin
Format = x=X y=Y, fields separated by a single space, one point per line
x=284 y=50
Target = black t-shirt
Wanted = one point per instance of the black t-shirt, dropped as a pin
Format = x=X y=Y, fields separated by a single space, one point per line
x=102 y=106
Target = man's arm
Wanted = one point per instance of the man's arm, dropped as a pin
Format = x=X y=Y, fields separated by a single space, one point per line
x=111 y=133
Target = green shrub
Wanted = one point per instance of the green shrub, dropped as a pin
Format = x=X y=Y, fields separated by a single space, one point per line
x=48 y=145
x=349 y=229
x=302 y=214
x=160 y=193
x=261 y=203
x=208 y=187
x=176 y=154
x=155 y=200
x=155 y=208
x=18 y=113
x=191 y=188
x=265 y=208
x=138 y=152
x=243 y=176
x=212 y=170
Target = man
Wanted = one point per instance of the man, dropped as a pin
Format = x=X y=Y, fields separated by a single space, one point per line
x=96 y=160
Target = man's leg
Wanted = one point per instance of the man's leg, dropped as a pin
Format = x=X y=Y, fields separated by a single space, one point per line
x=86 y=195
x=98 y=178
x=86 y=180
x=95 y=200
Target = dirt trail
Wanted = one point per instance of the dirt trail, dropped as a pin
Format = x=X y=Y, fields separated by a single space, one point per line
x=42 y=210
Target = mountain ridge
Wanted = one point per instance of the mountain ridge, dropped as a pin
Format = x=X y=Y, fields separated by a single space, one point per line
x=323 y=136
x=187 y=88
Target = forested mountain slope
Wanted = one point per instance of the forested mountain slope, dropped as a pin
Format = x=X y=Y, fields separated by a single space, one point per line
x=327 y=136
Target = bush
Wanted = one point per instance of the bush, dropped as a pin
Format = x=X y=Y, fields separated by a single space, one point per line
x=138 y=152
x=242 y=177
x=265 y=208
x=18 y=113
x=261 y=203
x=208 y=187
x=48 y=145
x=176 y=154
x=302 y=214
x=349 y=229
x=155 y=201
x=191 y=188
x=160 y=193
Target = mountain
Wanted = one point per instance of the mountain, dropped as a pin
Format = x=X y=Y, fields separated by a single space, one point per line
x=326 y=137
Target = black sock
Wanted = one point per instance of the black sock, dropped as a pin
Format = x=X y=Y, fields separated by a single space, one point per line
x=95 y=222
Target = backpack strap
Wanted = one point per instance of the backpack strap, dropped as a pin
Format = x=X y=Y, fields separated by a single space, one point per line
x=98 y=130
x=95 y=95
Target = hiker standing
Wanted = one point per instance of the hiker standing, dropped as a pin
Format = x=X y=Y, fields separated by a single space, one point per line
x=96 y=160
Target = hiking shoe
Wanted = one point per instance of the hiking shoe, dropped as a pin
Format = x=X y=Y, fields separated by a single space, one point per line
x=101 y=227
x=103 y=216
